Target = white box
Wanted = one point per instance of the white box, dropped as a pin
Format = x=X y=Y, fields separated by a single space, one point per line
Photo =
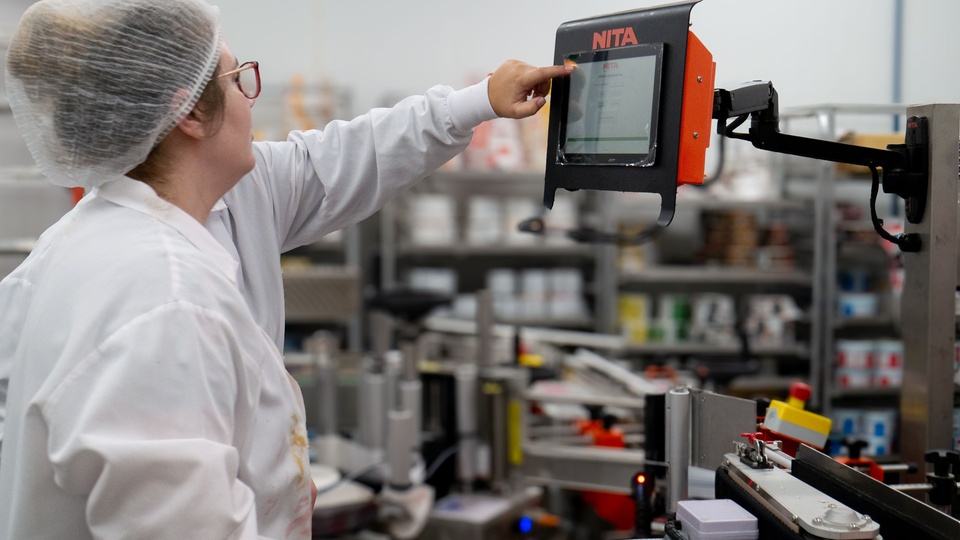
x=720 y=519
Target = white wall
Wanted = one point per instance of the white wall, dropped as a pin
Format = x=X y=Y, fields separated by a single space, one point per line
x=814 y=51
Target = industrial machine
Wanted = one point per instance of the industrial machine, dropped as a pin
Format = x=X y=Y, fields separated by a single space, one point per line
x=632 y=118
x=636 y=116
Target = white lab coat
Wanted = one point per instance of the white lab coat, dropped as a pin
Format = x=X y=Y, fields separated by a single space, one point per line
x=318 y=182
x=148 y=396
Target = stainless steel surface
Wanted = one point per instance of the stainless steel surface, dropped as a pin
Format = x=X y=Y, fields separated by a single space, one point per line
x=327 y=392
x=593 y=468
x=400 y=445
x=409 y=360
x=927 y=305
x=813 y=511
x=677 y=446
x=716 y=423
x=411 y=400
x=371 y=410
x=467 y=416
x=381 y=327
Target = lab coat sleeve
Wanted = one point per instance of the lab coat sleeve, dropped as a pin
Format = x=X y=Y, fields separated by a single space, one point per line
x=144 y=429
x=13 y=293
x=322 y=181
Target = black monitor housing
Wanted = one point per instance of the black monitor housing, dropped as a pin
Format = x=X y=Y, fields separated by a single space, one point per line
x=636 y=113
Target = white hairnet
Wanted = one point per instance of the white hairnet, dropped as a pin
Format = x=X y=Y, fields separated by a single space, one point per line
x=94 y=85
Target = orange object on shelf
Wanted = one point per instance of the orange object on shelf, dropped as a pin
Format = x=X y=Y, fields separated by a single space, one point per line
x=616 y=509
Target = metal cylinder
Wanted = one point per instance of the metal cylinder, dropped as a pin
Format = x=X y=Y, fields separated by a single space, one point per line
x=392 y=366
x=371 y=409
x=381 y=328
x=411 y=356
x=411 y=399
x=484 y=328
x=467 y=412
x=400 y=448
x=327 y=377
x=677 y=446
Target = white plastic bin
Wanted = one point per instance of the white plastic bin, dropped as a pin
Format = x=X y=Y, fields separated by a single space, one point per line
x=720 y=519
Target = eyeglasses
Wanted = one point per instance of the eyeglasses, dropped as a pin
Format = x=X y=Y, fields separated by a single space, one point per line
x=248 y=78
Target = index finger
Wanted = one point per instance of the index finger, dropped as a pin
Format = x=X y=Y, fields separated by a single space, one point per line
x=544 y=74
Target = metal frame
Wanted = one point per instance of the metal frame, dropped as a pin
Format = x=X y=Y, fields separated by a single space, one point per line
x=928 y=303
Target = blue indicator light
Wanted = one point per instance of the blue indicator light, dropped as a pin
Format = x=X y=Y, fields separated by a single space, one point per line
x=526 y=524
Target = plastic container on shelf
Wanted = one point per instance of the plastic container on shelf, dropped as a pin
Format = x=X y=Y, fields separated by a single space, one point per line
x=502 y=284
x=634 y=310
x=847 y=422
x=484 y=221
x=887 y=377
x=858 y=304
x=432 y=220
x=565 y=293
x=854 y=354
x=878 y=446
x=847 y=378
x=888 y=354
x=533 y=293
x=879 y=422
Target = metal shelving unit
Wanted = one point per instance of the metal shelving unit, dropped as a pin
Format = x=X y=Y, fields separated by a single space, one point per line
x=397 y=253
x=687 y=348
x=828 y=183
x=715 y=276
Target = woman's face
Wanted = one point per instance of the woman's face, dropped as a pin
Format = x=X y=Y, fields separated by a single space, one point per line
x=233 y=140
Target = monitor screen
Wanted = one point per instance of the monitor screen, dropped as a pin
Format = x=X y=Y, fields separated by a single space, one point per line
x=610 y=116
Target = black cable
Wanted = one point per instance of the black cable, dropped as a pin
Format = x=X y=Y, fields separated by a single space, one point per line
x=728 y=129
x=877 y=222
x=438 y=461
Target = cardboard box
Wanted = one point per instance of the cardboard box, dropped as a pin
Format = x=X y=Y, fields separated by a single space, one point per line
x=870 y=140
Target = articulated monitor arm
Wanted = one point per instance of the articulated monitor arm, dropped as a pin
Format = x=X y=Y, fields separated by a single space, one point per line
x=904 y=166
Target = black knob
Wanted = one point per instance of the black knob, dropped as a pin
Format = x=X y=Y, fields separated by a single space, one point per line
x=854 y=447
x=942 y=461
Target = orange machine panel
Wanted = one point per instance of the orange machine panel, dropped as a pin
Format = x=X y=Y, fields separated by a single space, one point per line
x=697 y=115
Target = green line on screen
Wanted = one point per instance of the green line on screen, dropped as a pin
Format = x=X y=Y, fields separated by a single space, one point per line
x=604 y=139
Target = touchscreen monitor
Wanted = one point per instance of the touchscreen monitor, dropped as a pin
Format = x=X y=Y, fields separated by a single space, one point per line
x=610 y=115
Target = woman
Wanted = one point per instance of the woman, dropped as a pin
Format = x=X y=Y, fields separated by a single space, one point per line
x=141 y=338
